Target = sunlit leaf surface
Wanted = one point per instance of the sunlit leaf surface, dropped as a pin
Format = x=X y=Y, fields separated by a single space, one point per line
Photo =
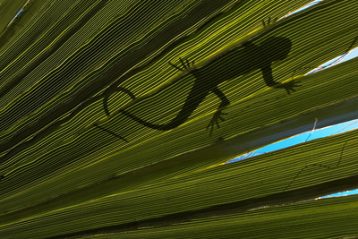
x=117 y=118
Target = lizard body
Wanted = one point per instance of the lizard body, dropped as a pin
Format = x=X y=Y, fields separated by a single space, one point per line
x=236 y=62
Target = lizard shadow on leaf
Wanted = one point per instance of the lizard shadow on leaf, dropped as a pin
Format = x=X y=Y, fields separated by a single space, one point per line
x=236 y=62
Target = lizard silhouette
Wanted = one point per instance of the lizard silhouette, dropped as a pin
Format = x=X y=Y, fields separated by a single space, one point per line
x=238 y=61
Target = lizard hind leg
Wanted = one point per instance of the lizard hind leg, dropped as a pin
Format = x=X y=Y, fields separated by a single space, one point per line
x=219 y=114
x=215 y=121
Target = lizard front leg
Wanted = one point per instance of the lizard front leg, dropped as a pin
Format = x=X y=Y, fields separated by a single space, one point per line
x=269 y=81
x=219 y=114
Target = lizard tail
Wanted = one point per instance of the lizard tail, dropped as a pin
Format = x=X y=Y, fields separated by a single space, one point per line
x=171 y=125
x=193 y=100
